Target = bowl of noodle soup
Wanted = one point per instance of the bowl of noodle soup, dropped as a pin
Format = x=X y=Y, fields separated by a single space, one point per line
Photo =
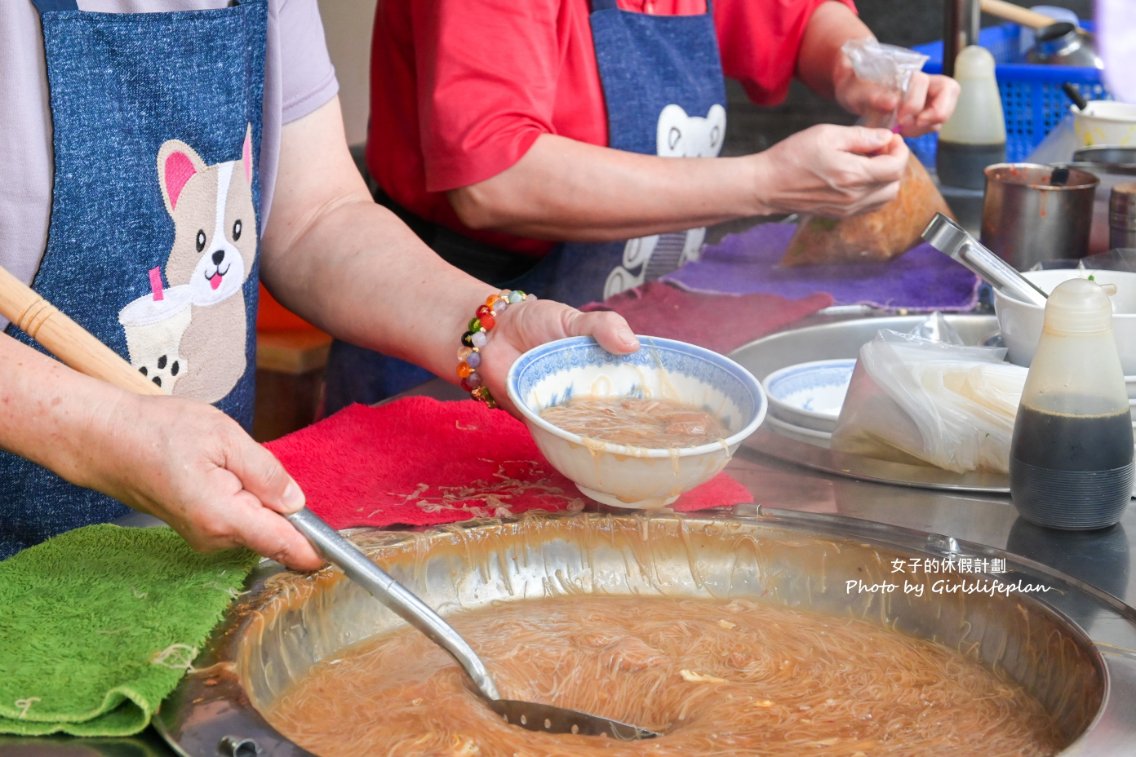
x=635 y=431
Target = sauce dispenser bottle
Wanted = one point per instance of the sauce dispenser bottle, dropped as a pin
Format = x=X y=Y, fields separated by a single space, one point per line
x=1071 y=455
x=975 y=135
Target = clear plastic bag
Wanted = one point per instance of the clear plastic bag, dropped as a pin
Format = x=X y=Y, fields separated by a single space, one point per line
x=895 y=228
x=1058 y=145
x=886 y=65
x=931 y=400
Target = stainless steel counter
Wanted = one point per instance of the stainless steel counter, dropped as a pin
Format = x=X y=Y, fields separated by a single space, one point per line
x=784 y=475
x=1099 y=559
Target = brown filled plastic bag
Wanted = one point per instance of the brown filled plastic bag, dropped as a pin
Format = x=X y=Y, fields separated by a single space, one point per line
x=878 y=235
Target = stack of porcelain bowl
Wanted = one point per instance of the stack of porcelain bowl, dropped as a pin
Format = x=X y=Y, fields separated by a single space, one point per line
x=1021 y=322
x=805 y=399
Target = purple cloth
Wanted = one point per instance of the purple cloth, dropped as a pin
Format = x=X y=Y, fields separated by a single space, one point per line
x=922 y=279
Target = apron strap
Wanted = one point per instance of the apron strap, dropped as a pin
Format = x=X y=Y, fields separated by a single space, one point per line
x=47 y=6
x=604 y=5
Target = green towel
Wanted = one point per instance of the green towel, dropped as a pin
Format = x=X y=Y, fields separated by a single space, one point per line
x=99 y=624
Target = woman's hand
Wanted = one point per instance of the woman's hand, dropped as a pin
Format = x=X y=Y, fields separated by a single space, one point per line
x=533 y=322
x=826 y=69
x=831 y=170
x=183 y=461
x=195 y=468
x=928 y=103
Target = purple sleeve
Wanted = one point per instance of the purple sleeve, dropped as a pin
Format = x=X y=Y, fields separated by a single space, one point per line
x=307 y=76
x=298 y=79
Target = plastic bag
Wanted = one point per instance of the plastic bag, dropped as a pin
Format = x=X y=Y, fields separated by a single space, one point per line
x=915 y=399
x=878 y=235
x=886 y=65
x=895 y=228
x=1058 y=145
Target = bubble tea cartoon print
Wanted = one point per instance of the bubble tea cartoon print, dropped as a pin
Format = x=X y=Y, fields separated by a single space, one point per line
x=190 y=336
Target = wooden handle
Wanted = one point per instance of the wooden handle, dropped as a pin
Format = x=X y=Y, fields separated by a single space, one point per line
x=1016 y=13
x=67 y=340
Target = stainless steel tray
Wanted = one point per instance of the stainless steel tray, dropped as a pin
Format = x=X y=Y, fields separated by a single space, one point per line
x=843 y=339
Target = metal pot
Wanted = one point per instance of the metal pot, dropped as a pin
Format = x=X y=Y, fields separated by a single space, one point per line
x=287 y=622
x=1033 y=213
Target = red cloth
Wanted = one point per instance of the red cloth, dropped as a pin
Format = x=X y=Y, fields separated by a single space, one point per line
x=421 y=461
x=719 y=322
x=460 y=90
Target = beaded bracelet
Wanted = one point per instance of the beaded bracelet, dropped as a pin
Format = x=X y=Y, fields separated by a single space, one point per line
x=483 y=321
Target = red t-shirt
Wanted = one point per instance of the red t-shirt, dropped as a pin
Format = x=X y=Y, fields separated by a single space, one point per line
x=460 y=89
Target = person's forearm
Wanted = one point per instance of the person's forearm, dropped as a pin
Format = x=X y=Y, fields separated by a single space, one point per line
x=830 y=26
x=562 y=189
x=350 y=266
x=180 y=460
x=358 y=272
x=48 y=410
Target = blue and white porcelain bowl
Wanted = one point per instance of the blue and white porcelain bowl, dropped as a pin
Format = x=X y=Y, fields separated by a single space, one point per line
x=622 y=475
x=810 y=395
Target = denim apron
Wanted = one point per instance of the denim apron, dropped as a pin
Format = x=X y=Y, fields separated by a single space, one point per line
x=665 y=94
x=152 y=245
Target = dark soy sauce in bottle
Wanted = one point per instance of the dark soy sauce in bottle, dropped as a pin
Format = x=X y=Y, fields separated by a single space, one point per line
x=1075 y=471
x=974 y=137
x=964 y=165
x=1071 y=455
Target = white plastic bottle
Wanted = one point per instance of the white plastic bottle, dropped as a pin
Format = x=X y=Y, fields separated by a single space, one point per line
x=975 y=135
x=1071 y=456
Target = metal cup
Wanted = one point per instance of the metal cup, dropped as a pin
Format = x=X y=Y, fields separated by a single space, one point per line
x=1122 y=216
x=1110 y=175
x=1034 y=213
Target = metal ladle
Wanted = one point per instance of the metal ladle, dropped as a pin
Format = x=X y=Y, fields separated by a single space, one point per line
x=952 y=240
x=79 y=349
x=531 y=715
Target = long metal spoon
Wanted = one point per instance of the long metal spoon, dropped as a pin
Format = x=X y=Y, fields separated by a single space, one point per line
x=78 y=348
x=952 y=240
x=531 y=715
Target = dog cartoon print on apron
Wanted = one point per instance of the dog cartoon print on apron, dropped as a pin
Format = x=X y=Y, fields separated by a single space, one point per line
x=665 y=95
x=189 y=338
x=152 y=245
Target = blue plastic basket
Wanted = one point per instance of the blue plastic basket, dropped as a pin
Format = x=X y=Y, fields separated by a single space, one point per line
x=1032 y=99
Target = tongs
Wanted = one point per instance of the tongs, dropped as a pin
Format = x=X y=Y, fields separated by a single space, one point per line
x=80 y=350
x=952 y=240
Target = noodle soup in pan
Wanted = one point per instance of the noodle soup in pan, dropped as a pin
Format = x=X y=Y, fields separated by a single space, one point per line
x=756 y=635
x=719 y=675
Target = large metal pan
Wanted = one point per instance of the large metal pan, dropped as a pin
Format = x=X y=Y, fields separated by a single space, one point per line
x=287 y=622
